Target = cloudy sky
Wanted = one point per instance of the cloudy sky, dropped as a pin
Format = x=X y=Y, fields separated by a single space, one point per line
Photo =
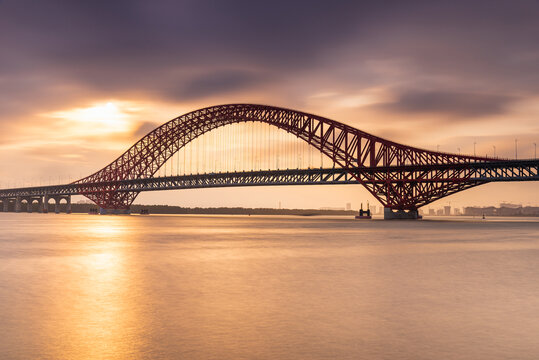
x=80 y=81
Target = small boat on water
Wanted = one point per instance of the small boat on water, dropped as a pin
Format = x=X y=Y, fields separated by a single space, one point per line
x=364 y=214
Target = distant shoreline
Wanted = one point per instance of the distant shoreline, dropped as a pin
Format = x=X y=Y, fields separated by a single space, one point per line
x=168 y=209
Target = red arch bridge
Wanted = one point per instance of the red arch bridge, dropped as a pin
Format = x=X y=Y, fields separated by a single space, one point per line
x=402 y=178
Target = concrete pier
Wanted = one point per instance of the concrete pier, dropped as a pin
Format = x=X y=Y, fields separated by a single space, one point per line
x=42 y=203
x=390 y=214
x=45 y=204
x=39 y=200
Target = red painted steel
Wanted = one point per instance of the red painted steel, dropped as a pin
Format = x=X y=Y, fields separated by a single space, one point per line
x=348 y=147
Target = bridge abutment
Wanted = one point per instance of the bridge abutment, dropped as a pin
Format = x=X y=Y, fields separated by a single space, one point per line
x=390 y=214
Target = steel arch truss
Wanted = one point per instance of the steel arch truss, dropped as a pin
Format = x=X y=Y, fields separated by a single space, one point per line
x=348 y=147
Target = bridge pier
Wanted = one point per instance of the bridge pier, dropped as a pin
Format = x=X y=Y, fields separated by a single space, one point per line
x=45 y=204
x=390 y=214
x=58 y=199
x=42 y=202
x=31 y=200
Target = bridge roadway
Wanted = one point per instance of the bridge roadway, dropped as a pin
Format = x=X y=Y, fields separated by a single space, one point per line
x=471 y=173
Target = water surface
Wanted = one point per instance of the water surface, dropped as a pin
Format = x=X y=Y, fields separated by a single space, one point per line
x=238 y=287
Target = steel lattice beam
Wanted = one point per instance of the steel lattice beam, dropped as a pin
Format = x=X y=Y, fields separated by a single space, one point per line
x=346 y=146
x=422 y=183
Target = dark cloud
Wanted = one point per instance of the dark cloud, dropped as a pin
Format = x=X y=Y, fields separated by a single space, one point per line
x=168 y=49
x=192 y=49
x=457 y=104
x=213 y=83
x=144 y=128
x=140 y=34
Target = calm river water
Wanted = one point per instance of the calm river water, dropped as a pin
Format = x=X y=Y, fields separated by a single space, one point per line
x=237 y=287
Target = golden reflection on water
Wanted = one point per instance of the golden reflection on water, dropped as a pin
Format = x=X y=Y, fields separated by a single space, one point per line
x=105 y=230
x=99 y=309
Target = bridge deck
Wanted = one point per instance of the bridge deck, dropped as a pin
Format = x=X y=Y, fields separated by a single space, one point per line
x=481 y=172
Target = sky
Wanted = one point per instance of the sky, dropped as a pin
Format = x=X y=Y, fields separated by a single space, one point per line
x=81 y=81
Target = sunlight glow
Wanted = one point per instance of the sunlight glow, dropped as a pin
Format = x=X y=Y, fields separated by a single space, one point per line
x=100 y=118
x=106 y=230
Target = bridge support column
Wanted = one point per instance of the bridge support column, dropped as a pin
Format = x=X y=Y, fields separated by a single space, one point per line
x=56 y=205
x=390 y=214
x=45 y=204
x=28 y=205
x=31 y=201
x=68 y=207
x=6 y=205
x=18 y=204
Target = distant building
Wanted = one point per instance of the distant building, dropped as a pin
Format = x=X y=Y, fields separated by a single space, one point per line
x=510 y=206
x=348 y=206
x=432 y=212
x=479 y=211
x=505 y=210
x=530 y=211
x=509 y=210
x=447 y=210
x=440 y=212
x=456 y=211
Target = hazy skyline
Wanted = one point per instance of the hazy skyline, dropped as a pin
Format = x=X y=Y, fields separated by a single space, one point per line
x=82 y=81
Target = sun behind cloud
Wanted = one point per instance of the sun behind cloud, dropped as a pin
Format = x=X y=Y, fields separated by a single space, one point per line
x=99 y=118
